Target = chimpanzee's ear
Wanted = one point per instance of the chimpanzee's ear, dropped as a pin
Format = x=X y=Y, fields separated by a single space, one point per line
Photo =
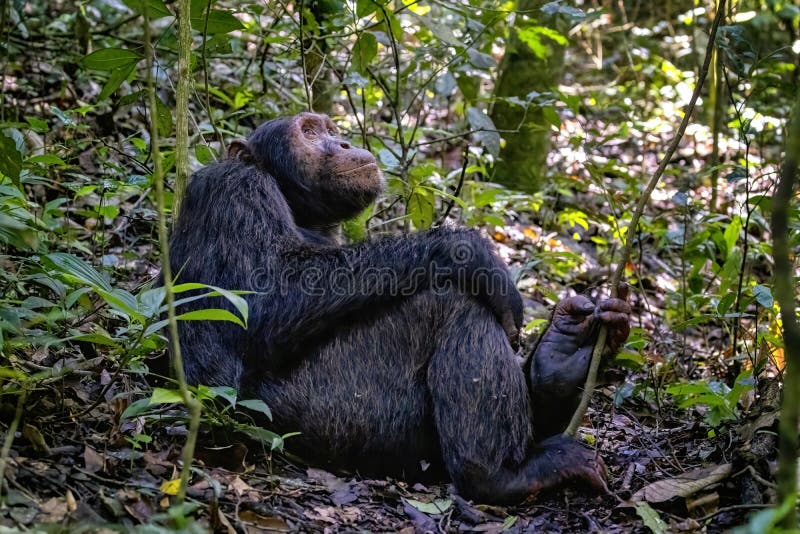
x=239 y=149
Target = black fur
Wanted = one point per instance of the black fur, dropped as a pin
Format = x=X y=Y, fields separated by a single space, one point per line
x=388 y=355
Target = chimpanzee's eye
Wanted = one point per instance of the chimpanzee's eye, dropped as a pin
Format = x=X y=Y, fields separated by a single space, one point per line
x=308 y=131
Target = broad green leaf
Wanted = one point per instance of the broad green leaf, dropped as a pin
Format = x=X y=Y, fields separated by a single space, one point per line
x=156 y=8
x=46 y=159
x=10 y=158
x=226 y=392
x=205 y=154
x=211 y=314
x=214 y=20
x=763 y=296
x=96 y=338
x=480 y=60
x=118 y=76
x=150 y=301
x=262 y=434
x=155 y=327
x=135 y=408
x=163 y=118
x=232 y=296
x=257 y=405
x=441 y=31
x=572 y=14
x=732 y=232
x=651 y=519
x=121 y=300
x=364 y=51
x=165 y=396
x=486 y=132
x=725 y=303
x=108 y=59
x=421 y=208
x=76 y=268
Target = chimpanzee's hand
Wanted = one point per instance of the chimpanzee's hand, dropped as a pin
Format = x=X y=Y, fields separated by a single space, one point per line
x=576 y=322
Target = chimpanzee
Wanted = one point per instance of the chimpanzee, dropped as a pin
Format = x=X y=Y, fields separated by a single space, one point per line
x=393 y=356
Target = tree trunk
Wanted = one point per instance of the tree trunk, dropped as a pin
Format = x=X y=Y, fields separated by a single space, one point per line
x=785 y=295
x=523 y=160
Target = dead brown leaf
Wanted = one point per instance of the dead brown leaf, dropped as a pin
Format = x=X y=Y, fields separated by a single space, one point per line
x=682 y=485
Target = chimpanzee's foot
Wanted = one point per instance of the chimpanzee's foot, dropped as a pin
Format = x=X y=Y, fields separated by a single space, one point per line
x=562 y=459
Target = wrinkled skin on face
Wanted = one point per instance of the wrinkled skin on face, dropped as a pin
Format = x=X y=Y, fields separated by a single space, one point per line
x=324 y=178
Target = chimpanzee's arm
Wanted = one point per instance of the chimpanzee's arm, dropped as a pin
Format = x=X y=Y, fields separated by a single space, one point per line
x=310 y=291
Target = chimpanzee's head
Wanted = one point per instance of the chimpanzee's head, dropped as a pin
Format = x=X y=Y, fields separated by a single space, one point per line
x=324 y=178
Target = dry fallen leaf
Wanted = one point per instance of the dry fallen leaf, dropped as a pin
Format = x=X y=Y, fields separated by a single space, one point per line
x=683 y=485
x=93 y=460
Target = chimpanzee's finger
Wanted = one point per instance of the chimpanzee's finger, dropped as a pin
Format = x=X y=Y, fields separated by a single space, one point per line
x=623 y=290
x=577 y=305
x=614 y=305
x=614 y=318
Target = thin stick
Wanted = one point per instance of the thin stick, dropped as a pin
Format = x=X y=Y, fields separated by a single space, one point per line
x=191 y=403
x=591 y=378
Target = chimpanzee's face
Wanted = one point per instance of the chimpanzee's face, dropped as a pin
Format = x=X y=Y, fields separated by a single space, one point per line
x=323 y=177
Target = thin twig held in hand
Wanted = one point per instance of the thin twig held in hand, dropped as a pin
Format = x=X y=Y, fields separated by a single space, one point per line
x=591 y=378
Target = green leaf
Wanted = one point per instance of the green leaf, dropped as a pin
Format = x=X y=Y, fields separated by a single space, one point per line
x=725 y=303
x=165 y=396
x=46 y=160
x=232 y=296
x=509 y=522
x=366 y=7
x=205 y=154
x=219 y=21
x=10 y=158
x=96 y=338
x=156 y=8
x=441 y=31
x=76 y=268
x=150 y=301
x=732 y=233
x=135 y=408
x=163 y=118
x=364 y=51
x=480 y=60
x=651 y=519
x=226 y=392
x=211 y=314
x=261 y=434
x=122 y=301
x=257 y=405
x=486 y=134
x=421 y=209
x=763 y=296
x=118 y=76
x=107 y=59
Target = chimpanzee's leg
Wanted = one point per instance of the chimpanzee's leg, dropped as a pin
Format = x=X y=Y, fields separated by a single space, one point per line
x=483 y=413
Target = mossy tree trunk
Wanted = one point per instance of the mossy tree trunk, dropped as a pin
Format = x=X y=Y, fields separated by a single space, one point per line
x=523 y=160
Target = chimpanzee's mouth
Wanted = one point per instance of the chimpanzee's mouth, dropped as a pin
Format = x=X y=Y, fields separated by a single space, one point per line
x=360 y=167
